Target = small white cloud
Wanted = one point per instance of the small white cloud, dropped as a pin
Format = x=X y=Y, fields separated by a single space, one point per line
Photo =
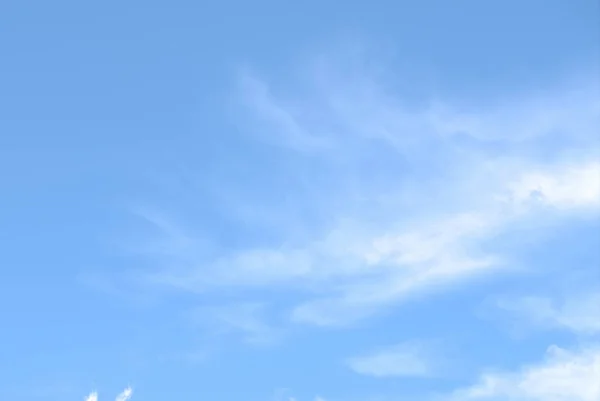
x=92 y=397
x=563 y=376
x=402 y=360
x=125 y=394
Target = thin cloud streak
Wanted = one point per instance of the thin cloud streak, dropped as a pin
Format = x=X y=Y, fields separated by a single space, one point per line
x=401 y=360
x=577 y=313
x=431 y=193
x=247 y=319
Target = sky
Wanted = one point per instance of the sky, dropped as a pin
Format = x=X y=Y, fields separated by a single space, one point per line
x=300 y=201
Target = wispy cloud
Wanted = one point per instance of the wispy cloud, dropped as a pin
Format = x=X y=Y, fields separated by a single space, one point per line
x=564 y=375
x=563 y=187
x=579 y=313
x=402 y=360
x=256 y=95
x=401 y=199
x=246 y=319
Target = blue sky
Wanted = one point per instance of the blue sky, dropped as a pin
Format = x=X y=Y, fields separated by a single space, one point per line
x=309 y=201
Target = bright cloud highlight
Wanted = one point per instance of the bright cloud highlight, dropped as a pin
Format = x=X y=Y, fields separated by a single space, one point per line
x=563 y=376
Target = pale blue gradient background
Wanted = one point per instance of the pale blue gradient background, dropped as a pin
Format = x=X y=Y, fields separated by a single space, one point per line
x=107 y=108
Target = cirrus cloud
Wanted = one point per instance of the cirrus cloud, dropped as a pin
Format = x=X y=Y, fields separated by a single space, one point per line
x=400 y=200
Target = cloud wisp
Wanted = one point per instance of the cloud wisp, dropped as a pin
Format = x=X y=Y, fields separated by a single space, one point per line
x=578 y=313
x=399 y=199
x=247 y=318
x=401 y=360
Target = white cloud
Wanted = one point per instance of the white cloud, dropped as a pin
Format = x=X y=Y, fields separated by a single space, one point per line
x=123 y=396
x=92 y=397
x=573 y=186
x=579 y=313
x=401 y=360
x=407 y=203
x=563 y=376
